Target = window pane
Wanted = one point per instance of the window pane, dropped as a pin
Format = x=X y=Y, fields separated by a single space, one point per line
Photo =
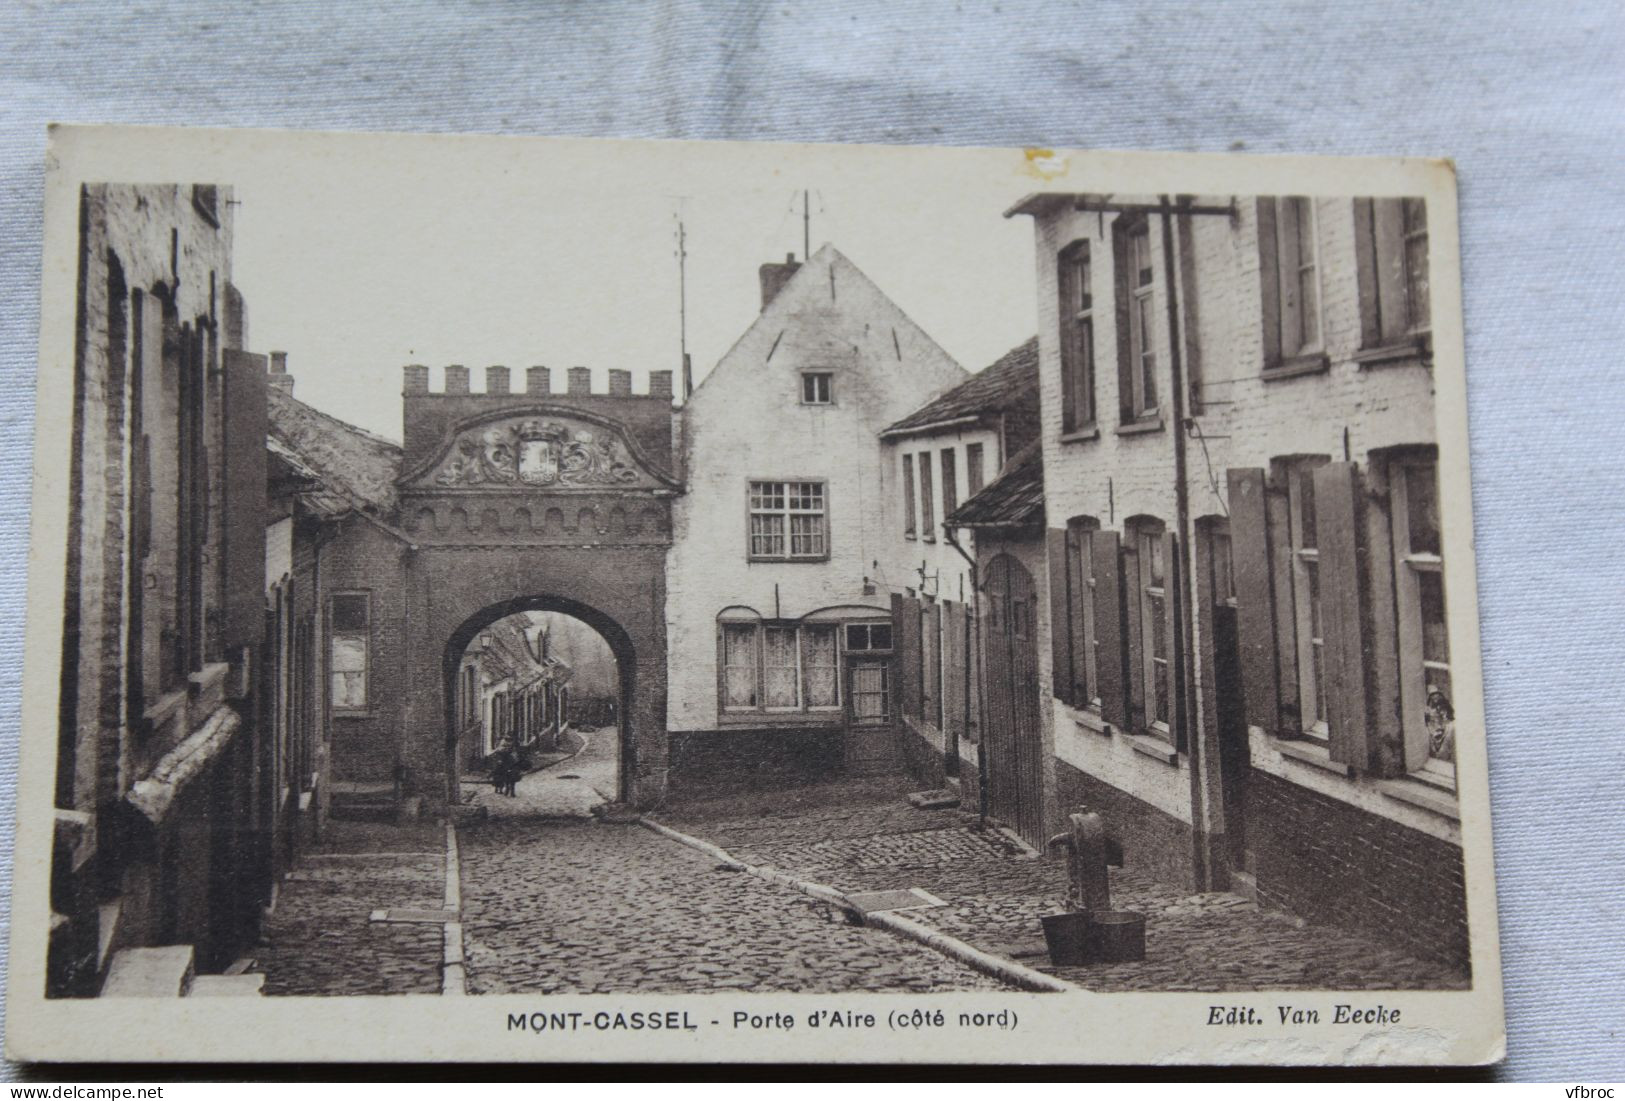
x=1309 y=295
x=779 y=667
x=806 y=496
x=1151 y=554
x=1311 y=572
x=349 y=654
x=818 y=647
x=806 y=535
x=349 y=690
x=1318 y=659
x=880 y=636
x=857 y=636
x=767 y=495
x=350 y=612
x=1435 y=639
x=1306 y=508
x=1224 y=583
x=1418 y=306
x=739 y=644
x=1439 y=715
x=1140 y=250
x=1159 y=677
x=767 y=536
x=1155 y=611
x=1422 y=509
x=973 y=468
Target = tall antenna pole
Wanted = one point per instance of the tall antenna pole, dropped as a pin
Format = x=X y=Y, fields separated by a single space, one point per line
x=682 y=307
x=806 y=229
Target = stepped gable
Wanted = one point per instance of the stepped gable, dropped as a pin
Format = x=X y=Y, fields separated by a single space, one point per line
x=1007 y=385
x=355 y=470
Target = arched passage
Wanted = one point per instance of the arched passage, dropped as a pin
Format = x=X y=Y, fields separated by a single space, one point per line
x=620 y=645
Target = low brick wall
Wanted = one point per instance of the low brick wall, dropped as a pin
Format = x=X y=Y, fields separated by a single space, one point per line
x=715 y=760
x=922 y=754
x=1327 y=861
x=1154 y=843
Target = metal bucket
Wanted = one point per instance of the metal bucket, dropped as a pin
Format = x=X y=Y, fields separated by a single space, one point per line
x=1113 y=936
x=1066 y=935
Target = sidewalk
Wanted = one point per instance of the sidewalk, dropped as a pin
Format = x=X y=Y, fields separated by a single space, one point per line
x=319 y=939
x=861 y=835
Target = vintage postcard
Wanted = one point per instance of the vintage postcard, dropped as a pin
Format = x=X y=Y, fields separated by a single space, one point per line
x=517 y=599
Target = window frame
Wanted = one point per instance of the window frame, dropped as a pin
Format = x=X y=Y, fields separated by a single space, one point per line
x=1075 y=291
x=786 y=512
x=1143 y=404
x=1152 y=601
x=365 y=635
x=1414 y=665
x=1307 y=598
x=810 y=380
x=1386 y=233
x=1081 y=624
x=757 y=651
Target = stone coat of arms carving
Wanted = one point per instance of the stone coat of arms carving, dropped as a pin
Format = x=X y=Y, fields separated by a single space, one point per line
x=537 y=451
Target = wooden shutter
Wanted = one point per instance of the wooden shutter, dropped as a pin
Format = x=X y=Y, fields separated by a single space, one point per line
x=1173 y=588
x=1111 y=656
x=1060 y=632
x=1365 y=266
x=1078 y=592
x=1122 y=285
x=1269 y=279
x=906 y=629
x=243 y=478
x=954 y=680
x=1134 y=609
x=1338 y=528
x=1255 y=612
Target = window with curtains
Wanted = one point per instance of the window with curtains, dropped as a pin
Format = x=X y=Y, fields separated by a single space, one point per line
x=780 y=668
x=1308 y=619
x=789 y=521
x=1429 y=716
x=1392 y=241
x=1077 y=337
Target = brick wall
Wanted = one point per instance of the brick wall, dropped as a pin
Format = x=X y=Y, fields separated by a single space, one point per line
x=1328 y=861
x=366 y=746
x=1154 y=842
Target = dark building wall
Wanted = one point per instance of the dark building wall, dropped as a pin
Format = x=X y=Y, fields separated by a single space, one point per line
x=720 y=761
x=1331 y=862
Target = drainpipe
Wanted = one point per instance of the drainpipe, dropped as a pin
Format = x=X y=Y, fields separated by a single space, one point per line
x=1187 y=664
x=981 y=680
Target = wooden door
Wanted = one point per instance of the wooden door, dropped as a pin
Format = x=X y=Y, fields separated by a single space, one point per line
x=1013 y=739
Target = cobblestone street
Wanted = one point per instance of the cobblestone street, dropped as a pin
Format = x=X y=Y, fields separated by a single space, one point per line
x=593 y=907
x=863 y=836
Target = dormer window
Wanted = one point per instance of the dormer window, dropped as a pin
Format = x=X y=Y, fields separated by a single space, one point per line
x=818 y=388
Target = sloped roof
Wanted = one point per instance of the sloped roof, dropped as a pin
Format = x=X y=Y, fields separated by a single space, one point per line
x=998 y=388
x=355 y=469
x=1014 y=499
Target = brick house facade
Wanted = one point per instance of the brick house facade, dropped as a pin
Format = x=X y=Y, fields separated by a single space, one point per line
x=1244 y=608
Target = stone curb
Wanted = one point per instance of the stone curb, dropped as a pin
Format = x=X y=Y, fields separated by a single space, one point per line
x=453 y=971
x=1007 y=971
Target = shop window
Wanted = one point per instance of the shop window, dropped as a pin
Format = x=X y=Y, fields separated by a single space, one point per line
x=780 y=668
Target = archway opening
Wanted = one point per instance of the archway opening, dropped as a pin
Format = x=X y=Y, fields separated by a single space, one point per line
x=539 y=690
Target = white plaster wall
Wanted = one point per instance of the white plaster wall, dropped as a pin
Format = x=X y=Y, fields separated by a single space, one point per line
x=745 y=422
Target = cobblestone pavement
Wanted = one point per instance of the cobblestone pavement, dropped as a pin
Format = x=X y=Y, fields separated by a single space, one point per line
x=595 y=907
x=863 y=836
x=319 y=939
x=568 y=788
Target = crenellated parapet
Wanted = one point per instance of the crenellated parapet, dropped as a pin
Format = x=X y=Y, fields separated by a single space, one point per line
x=431 y=416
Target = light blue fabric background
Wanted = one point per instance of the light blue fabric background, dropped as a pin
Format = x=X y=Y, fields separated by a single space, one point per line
x=1526 y=97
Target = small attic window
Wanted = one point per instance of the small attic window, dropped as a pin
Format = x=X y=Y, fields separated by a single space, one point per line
x=205 y=200
x=818 y=388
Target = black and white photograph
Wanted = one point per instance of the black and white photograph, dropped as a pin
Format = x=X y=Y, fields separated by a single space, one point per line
x=742 y=596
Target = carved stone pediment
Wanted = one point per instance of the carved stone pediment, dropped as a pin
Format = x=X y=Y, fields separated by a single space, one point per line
x=537 y=450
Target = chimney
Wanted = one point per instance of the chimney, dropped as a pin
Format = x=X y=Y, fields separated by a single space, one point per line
x=279 y=378
x=775 y=276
